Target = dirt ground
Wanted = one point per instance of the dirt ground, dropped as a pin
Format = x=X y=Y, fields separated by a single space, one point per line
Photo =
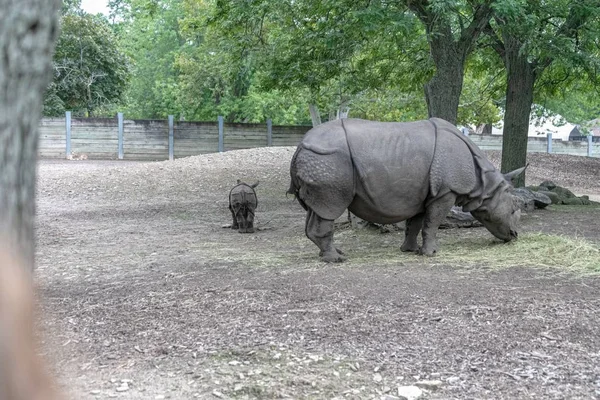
x=144 y=295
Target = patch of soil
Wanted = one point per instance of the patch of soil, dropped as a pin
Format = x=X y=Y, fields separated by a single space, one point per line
x=145 y=296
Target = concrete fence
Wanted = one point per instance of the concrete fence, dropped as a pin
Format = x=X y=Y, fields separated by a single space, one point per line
x=119 y=138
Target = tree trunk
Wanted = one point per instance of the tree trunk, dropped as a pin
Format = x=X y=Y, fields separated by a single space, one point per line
x=486 y=129
x=442 y=92
x=449 y=54
x=28 y=30
x=519 y=99
x=314 y=114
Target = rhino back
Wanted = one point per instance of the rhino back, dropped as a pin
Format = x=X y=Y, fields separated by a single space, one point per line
x=392 y=162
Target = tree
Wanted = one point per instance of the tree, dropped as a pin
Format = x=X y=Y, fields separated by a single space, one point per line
x=453 y=28
x=335 y=49
x=90 y=72
x=150 y=35
x=543 y=43
x=27 y=40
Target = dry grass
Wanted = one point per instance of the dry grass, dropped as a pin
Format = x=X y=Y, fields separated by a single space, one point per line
x=538 y=250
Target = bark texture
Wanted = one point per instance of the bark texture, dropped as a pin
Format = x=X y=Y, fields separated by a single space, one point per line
x=442 y=92
x=28 y=30
x=449 y=52
x=521 y=77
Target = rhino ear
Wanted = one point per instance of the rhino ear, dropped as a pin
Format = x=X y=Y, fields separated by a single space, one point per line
x=239 y=181
x=509 y=176
x=254 y=185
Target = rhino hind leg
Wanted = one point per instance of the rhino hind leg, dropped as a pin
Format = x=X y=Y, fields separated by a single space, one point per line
x=435 y=213
x=413 y=227
x=235 y=224
x=320 y=231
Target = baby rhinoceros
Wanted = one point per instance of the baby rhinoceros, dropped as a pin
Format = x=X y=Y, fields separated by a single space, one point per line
x=386 y=172
x=242 y=204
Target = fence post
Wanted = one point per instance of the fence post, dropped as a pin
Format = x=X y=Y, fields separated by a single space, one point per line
x=221 y=141
x=590 y=139
x=68 y=133
x=120 y=118
x=171 y=139
x=465 y=131
x=549 y=139
x=269 y=132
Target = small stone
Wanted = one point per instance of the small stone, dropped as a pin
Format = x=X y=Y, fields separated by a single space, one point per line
x=377 y=378
x=234 y=363
x=453 y=379
x=389 y=397
x=159 y=397
x=429 y=384
x=409 y=392
x=217 y=394
x=95 y=392
x=238 y=387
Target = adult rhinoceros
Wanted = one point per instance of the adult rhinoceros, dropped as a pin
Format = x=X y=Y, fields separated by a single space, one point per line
x=387 y=172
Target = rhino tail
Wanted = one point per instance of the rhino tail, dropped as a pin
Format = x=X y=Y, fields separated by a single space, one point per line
x=294 y=184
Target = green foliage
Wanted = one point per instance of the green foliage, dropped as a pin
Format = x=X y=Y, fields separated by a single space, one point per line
x=89 y=70
x=250 y=60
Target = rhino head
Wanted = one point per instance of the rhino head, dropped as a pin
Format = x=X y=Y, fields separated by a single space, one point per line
x=501 y=213
x=242 y=204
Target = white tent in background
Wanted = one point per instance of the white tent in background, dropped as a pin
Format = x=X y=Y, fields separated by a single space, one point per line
x=540 y=127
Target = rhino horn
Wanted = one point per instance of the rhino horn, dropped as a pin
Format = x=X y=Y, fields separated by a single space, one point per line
x=509 y=176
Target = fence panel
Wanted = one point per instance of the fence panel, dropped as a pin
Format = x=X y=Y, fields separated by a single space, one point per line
x=146 y=140
x=193 y=138
x=97 y=138
x=53 y=142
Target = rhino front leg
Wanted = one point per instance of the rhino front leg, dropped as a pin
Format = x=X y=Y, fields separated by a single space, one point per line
x=434 y=216
x=413 y=227
x=320 y=231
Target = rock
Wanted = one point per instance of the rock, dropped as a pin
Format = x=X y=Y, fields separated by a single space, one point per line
x=409 y=392
x=563 y=192
x=429 y=384
x=457 y=218
x=540 y=200
x=576 y=201
x=548 y=184
x=554 y=198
